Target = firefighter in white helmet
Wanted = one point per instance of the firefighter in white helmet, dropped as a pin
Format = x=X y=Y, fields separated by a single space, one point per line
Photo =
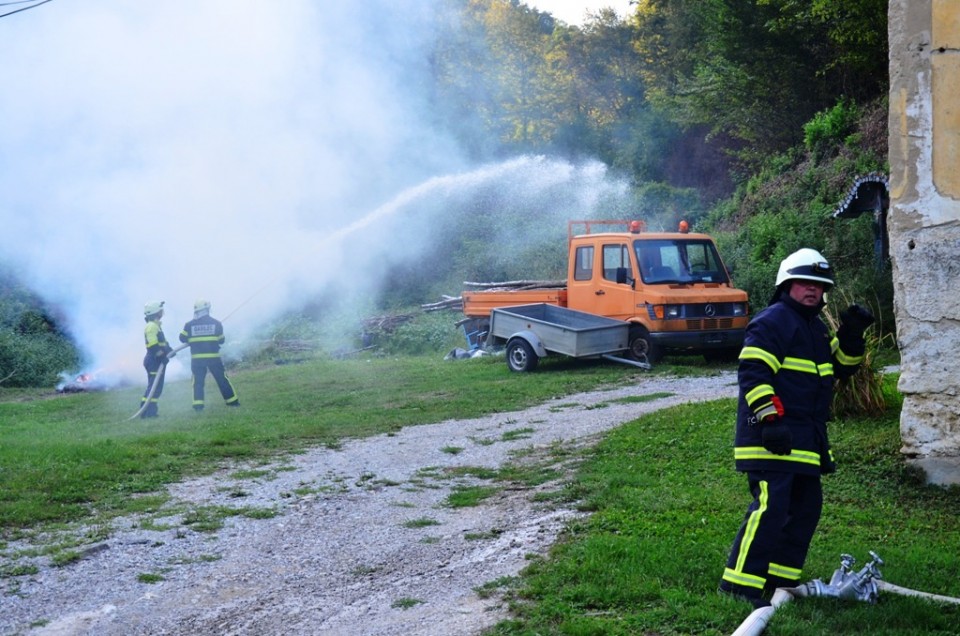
x=155 y=359
x=204 y=334
x=787 y=370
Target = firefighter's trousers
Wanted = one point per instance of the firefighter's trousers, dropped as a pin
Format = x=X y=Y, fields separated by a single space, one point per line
x=152 y=366
x=200 y=366
x=771 y=545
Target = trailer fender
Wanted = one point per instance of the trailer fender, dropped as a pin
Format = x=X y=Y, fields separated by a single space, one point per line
x=533 y=340
x=522 y=355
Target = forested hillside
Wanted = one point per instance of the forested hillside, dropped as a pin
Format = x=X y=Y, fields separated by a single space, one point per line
x=748 y=118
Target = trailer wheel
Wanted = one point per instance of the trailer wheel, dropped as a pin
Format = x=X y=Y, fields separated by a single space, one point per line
x=642 y=348
x=521 y=356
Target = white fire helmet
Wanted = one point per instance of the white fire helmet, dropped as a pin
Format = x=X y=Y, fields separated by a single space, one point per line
x=152 y=308
x=201 y=308
x=806 y=264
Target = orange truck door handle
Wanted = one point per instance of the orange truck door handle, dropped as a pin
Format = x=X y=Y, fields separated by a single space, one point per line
x=599 y=292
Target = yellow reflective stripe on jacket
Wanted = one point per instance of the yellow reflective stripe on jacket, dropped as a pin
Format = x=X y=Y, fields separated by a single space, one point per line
x=842 y=357
x=204 y=339
x=799 y=364
x=759 y=452
x=204 y=355
x=808 y=366
x=756 y=400
x=756 y=353
x=761 y=390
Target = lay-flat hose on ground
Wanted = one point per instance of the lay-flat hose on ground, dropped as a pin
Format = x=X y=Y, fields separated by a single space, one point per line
x=758 y=620
x=904 y=591
x=156 y=381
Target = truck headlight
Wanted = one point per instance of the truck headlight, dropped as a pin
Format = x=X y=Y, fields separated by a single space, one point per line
x=665 y=312
x=739 y=309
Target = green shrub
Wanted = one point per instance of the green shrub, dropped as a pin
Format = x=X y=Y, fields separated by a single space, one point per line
x=34 y=360
x=34 y=349
x=830 y=127
x=789 y=204
x=422 y=333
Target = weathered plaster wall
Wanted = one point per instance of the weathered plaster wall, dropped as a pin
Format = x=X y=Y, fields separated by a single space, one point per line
x=924 y=226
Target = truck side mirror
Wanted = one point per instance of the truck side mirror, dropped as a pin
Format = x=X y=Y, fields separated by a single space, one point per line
x=623 y=276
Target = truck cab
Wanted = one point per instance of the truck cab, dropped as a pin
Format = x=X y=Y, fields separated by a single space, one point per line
x=672 y=287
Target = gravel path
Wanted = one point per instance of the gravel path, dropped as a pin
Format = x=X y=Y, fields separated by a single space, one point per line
x=361 y=543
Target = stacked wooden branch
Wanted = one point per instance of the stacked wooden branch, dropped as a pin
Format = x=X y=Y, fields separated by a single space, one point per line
x=340 y=355
x=456 y=302
x=448 y=302
x=293 y=345
x=515 y=285
x=386 y=324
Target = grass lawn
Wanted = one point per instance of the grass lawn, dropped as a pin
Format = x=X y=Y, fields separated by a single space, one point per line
x=72 y=456
x=666 y=503
x=664 y=497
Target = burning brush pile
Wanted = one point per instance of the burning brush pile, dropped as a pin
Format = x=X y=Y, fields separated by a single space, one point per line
x=89 y=381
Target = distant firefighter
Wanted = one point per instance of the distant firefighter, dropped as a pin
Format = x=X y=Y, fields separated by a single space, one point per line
x=158 y=353
x=204 y=334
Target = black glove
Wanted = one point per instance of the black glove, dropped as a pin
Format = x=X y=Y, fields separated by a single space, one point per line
x=856 y=318
x=776 y=436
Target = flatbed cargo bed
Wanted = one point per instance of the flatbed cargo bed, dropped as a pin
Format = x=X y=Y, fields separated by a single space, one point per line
x=478 y=304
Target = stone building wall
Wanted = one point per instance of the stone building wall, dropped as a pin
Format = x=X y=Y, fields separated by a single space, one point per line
x=924 y=226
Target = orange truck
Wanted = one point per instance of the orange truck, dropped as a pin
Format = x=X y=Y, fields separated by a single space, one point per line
x=672 y=289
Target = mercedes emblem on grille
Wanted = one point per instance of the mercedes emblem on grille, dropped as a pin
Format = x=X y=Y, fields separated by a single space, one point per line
x=709 y=310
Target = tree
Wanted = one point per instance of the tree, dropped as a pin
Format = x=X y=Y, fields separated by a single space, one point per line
x=757 y=70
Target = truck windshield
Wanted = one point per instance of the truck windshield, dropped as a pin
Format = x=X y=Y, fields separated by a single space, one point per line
x=679 y=261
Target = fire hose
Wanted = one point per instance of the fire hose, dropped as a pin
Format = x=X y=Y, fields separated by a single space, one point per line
x=864 y=585
x=156 y=382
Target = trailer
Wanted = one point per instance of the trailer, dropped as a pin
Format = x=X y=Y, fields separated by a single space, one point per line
x=534 y=331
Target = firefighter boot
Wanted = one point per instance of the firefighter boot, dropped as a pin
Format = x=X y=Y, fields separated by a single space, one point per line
x=756 y=601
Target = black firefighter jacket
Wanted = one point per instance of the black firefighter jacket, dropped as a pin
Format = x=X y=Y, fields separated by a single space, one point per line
x=788 y=353
x=204 y=335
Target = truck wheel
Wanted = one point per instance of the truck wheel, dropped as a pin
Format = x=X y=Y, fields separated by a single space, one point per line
x=521 y=356
x=642 y=348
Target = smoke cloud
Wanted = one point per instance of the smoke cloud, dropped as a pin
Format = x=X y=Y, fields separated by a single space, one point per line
x=235 y=151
